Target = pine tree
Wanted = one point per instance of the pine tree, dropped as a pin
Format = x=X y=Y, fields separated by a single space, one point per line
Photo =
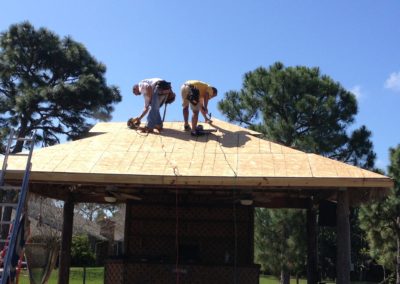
x=287 y=254
x=50 y=85
x=381 y=222
x=300 y=108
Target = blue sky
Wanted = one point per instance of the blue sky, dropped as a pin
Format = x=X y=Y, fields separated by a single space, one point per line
x=357 y=43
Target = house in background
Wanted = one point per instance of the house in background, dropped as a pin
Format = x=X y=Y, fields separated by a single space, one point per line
x=45 y=217
x=190 y=200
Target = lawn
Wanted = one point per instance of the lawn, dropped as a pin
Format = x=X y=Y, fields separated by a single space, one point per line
x=274 y=280
x=94 y=275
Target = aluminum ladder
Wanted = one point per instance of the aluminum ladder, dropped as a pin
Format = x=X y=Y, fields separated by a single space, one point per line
x=19 y=193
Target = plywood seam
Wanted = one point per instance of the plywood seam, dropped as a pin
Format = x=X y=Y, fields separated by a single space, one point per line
x=165 y=153
x=57 y=163
x=133 y=159
x=95 y=163
x=309 y=165
x=144 y=160
x=334 y=165
x=168 y=163
x=236 y=169
x=204 y=158
x=194 y=150
x=144 y=138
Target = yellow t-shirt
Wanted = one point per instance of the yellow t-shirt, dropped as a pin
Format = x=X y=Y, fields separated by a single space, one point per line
x=202 y=87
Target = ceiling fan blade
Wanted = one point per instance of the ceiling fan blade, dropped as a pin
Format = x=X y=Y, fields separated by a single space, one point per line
x=130 y=196
x=124 y=196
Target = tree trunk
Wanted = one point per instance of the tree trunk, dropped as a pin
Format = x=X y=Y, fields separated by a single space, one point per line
x=285 y=276
x=398 y=256
x=384 y=273
x=19 y=145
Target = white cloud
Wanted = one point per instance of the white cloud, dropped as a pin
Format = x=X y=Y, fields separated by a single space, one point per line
x=393 y=82
x=356 y=90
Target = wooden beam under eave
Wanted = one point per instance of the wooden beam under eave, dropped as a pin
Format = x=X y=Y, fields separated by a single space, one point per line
x=358 y=196
x=51 y=191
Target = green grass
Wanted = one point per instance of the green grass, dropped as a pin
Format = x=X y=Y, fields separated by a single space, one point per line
x=94 y=275
x=274 y=280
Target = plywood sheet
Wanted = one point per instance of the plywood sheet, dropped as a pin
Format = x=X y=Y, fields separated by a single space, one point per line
x=230 y=156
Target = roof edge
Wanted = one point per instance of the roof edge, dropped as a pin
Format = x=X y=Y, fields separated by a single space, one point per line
x=171 y=180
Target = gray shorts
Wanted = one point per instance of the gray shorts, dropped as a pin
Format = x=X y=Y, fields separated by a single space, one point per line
x=185 y=91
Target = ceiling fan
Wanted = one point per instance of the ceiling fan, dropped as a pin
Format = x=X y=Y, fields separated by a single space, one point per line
x=113 y=195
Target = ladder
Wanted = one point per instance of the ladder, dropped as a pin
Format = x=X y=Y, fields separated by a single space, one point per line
x=16 y=225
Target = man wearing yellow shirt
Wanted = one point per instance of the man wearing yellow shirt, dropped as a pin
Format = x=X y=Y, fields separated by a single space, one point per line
x=196 y=94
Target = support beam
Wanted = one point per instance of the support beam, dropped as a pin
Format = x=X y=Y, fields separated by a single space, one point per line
x=128 y=220
x=343 y=238
x=312 y=252
x=66 y=241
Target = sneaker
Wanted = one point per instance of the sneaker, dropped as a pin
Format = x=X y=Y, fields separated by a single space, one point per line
x=147 y=130
x=187 y=127
x=196 y=133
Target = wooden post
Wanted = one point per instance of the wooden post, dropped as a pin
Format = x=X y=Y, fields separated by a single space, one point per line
x=66 y=241
x=127 y=236
x=343 y=238
x=312 y=252
x=128 y=210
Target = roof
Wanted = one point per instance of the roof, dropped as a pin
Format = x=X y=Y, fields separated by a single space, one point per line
x=230 y=157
